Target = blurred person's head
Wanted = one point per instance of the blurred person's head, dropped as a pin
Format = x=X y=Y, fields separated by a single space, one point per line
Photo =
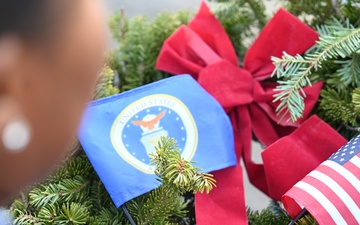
x=50 y=54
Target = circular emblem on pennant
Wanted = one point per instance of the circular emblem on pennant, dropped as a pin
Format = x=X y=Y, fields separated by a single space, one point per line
x=138 y=129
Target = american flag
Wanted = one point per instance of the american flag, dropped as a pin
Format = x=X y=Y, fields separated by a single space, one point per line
x=331 y=192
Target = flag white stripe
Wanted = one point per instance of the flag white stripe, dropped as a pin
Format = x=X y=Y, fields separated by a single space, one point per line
x=339 y=191
x=356 y=161
x=351 y=178
x=320 y=197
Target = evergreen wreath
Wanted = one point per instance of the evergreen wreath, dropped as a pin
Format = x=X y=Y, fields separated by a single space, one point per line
x=74 y=194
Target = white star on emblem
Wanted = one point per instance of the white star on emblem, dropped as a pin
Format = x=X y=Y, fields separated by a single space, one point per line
x=159 y=108
x=354 y=142
x=124 y=135
x=336 y=153
x=182 y=128
x=169 y=112
x=134 y=153
x=342 y=159
x=352 y=147
x=343 y=154
x=351 y=152
x=128 y=126
x=127 y=145
x=143 y=160
x=136 y=116
x=183 y=139
x=177 y=118
x=335 y=157
x=148 y=110
x=345 y=149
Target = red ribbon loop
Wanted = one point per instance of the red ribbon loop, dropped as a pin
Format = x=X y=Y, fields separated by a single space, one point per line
x=204 y=50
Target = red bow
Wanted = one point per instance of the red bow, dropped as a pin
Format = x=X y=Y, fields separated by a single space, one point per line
x=204 y=50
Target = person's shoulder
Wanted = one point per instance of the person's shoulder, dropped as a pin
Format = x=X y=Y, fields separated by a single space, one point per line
x=5 y=217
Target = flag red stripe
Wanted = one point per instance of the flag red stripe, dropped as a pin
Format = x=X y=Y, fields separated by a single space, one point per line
x=343 y=182
x=354 y=169
x=315 y=208
x=333 y=198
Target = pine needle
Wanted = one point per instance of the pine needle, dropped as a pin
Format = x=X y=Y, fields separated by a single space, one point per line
x=336 y=41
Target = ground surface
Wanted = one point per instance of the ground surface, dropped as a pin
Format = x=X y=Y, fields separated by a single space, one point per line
x=254 y=198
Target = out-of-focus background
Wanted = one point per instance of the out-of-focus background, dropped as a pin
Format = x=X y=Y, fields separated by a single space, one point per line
x=255 y=199
x=152 y=7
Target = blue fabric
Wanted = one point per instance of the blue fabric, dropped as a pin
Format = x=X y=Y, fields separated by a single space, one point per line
x=118 y=132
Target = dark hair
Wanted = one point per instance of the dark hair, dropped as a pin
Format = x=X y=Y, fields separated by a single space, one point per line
x=29 y=19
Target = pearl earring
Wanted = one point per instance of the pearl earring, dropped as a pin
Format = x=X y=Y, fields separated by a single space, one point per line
x=16 y=135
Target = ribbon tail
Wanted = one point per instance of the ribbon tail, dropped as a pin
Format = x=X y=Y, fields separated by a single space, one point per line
x=262 y=127
x=289 y=159
x=243 y=138
x=225 y=204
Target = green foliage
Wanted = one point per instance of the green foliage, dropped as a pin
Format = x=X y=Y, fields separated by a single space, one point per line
x=336 y=42
x=76 y=196
x=106 y=85
x=348 y=73
x=177 y=173
x=338 y=106
x=315 y=12
x=342 y=110
x=139 y=43
x=273 y=215
x=242 y=19
x=62 y=201
x=161 y=206
x=356 y=100
x=307 y=220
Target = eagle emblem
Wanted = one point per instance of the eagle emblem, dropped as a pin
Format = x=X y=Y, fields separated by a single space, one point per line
x=150 y=122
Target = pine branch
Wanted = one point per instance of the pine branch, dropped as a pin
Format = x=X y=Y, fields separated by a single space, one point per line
x=26 y=219
x=335 y=42
x=72 y=214
x=356 y=100
x=105 y=85
x=307 y=220
x=135 y=57
x=158 y=206
x=338 y=106
x=66 y=191
x=349 y=72
x=177 y=173
x=258 y=9
x=273 y=214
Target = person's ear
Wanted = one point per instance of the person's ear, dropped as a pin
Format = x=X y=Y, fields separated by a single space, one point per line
x=15 y=132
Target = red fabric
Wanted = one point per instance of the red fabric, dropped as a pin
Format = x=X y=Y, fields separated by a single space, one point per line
x=209 y=208
x=308 y=146
x=204 y=50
